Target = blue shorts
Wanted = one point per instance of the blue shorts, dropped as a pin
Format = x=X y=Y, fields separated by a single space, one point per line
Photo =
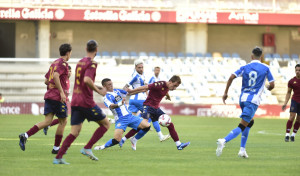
x=136 y=105
x=295 y=107
x=79 y=114
x=248 y=110
x=150 y=112
x=128 y=121
x=58 y=108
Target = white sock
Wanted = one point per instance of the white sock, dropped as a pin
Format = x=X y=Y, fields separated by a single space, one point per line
x=287 y=134
x=55 y=148
x=177 y=143
x=26 y=135
x=242 y=149
x=124 y=138
x=134 y=140
x=293 y=134
x=160 y=135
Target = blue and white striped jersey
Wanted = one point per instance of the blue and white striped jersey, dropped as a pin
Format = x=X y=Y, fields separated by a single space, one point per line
x=154 y=79
x=113 y=98
x=136 y=81
x=254 y=77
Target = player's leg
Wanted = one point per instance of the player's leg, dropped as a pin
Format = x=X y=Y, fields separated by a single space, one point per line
x=54 y=122
x=59 y=134
x=114 y=141
x=131 y=133
x=95 y=114
x=244 y=138
x=139 y=124
x=296 y=127
x=24 y=136
x=289 y=125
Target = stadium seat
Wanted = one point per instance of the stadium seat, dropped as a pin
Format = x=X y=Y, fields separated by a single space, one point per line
x=277 y=57
x=199 y=55
x=133 y=55
x=286 y=57
x=180 y=55
x=208 y=56
x=162 y=55
x=115 y=54
x=295 y=57
x=226 y=55
x=125 y=55
x=236 y=56
x=143 y=55
x=171 y=55
x=267 y=57
x=105 y=54
x=152 y=55
x=189 y=55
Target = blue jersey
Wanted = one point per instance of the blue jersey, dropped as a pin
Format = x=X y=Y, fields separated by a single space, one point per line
x=136 y=81
x=153 y=79
x=254 y=76
x=114 y=98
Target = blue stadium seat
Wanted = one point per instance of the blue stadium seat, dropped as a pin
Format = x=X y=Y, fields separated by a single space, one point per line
x=295 y=57
x=171 y=55
x=268 y=57
x=189 y=55
x=180 y=55
x=277 y=56
x=208 y=55
x=226 y=55
x=124 y=55
x=162 y=55
x=236 y=55
x=105 y=54
x=286 y=57
x=152 y=55
x=143 y=55
x=199 y=55
x=133 y=55
x=115 y=54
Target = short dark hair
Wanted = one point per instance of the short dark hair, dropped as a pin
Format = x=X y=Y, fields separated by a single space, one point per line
x=64 y=48
x=69 y=67
x=105 y=80
x=175 y=78
x=91 y=45
x=156 y=67
x=257 y=52
x=298 y=65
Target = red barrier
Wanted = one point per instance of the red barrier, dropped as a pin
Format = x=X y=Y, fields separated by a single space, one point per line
x=171 y=109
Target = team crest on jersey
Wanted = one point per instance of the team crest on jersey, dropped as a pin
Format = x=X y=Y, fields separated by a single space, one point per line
x=155 y=84
x=93 y=66
x=159 y=83
x=64 y=64
x=295 y=82
x=162 y=88
x=119 y=124
x=162 y=83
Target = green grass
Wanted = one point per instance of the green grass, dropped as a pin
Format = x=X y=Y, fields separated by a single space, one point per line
x=268 y=153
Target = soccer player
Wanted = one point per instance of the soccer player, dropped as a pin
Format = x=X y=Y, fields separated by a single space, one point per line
x=155 y=77
x=55 y=98
x=83 y=106
x=157 y=91
x=254 y=76
x=136 y=101
x=294 y=84
x=115 y=101
x=56 y=121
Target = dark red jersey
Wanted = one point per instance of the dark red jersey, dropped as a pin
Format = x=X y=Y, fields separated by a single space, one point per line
x=61 y=67
x=157 y=91
x=294 y=83
x=82 y=94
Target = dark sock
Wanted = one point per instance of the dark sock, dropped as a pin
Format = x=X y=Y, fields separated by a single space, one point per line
x=54 y=122
x=131 y=133
x=32 y=130
x=173 y=132
x=296 y=127
x=66 y=144
x=96 y=136
x=58 y=139
x=289 y=125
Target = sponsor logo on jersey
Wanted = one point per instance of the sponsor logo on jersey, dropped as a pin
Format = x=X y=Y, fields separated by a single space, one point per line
x=162 y=88
x=119 y=124
x=295 y=82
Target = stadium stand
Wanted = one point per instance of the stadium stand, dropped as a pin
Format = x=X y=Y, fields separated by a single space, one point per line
x=203 y=78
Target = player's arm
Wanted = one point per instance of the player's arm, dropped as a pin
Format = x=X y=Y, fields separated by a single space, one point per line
x=114 y=106
x=46 y=81
x=89 y=82
x=59 y=87
x=287 y=98
x=168 y=96
x=271 y=86
x=137 y=90
x=229 y=82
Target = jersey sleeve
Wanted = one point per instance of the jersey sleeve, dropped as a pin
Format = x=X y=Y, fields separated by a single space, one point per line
x=239 y=72
x=108 y=100
x=47 y=74
x=156 y=85
x=270 y=76
x=152 y=80
x=122 y=92
x=290 y=85
x=132 y=80
x=62 y=68
x=91 y=70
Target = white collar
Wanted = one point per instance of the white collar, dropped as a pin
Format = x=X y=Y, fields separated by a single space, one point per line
x=253 y=61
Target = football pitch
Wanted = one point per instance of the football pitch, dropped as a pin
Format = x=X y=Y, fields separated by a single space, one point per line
x=268 y=153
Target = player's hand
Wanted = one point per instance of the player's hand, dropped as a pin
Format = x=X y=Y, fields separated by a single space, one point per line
x=123 y=101
x=225 y=96
x=283 y=107
x=168 y=97
x=63 y=97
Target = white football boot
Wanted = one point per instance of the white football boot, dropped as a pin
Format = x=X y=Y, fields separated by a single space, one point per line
x=220 y=146
x=243 y=154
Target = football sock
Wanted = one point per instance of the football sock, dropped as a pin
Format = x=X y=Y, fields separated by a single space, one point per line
x=156 y=126
x=149 y=120
x=287 y=134
x=55 y=148
x=124 y=138
x=177 y=143
x=54 y=122
x=110 y=143
x=96 y=136
x=244 y=137
x=289 y=125
x=140 y=134
x=160 y=135
x=293 y=134
x=58 y=139
x=173 y=132
x=233 y=134
x=242 y=149
x=296 y=127
x=32 y=130
x=26 y=135
x=64 y=147
x=131 y=133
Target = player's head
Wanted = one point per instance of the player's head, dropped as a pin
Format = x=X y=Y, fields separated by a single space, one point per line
x=65 y=50
x=92 y=47
x=156 y=71
x=256 y=53
x=174 y=82
x=139 y=66
x=107 y=83
x=297 y=70
x=70 y=71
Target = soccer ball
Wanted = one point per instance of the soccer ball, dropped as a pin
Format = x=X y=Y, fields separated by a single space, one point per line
x=164 y=120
